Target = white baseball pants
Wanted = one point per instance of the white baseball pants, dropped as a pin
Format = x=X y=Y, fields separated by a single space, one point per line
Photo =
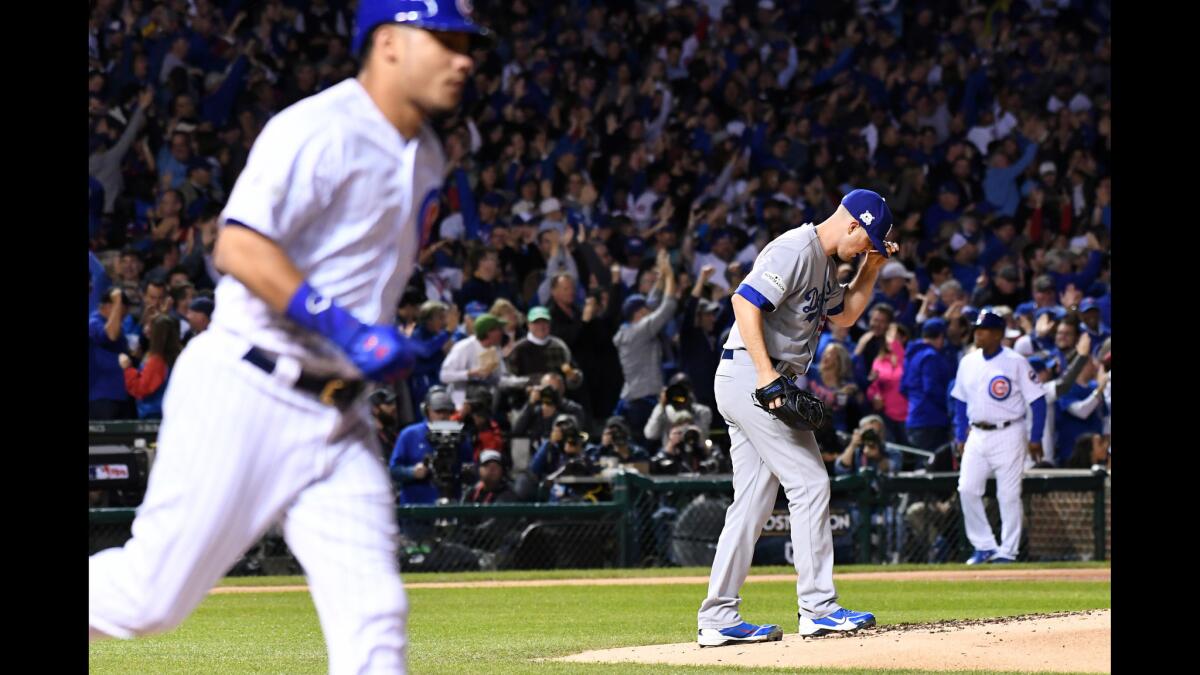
x=238 y=451
x=1000 y=453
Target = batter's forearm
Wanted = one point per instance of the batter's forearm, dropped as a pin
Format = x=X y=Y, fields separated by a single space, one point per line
x=259 y=264
x=750 y=325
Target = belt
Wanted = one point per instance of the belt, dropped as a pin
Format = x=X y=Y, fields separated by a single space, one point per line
x=334 y=391
x=987 y=426
x=775 y=363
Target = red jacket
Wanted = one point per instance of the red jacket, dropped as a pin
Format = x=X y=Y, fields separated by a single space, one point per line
x=148 y=380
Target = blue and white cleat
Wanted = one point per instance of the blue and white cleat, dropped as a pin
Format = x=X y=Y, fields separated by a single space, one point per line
x=981 y=557
x=998 y=559
x=739 y=634
x=841 y=621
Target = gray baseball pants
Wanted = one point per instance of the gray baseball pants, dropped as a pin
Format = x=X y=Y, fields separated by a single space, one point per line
x=767 y=453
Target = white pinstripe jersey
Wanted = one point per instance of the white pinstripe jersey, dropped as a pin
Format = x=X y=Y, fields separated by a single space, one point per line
x=350 y=201
x=996 y=389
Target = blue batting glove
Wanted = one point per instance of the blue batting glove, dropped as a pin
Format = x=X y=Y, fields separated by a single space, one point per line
x=380 y=351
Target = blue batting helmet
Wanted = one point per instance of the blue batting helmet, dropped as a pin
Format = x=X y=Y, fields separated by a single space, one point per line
x=446 y=15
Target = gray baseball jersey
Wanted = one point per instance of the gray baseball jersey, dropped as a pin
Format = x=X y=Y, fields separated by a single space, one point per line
x=795 y=284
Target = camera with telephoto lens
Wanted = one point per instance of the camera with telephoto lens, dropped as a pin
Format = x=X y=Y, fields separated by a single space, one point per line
x=548 y=394
x=618 y=435
x=679 y=396
x=446 y=438
x=716 y=462
x=578 y=464
x=870 y=437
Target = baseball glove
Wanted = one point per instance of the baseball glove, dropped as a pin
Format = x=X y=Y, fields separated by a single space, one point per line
x=799 y=409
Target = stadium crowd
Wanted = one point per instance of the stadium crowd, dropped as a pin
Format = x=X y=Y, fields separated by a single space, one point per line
x=612 y=174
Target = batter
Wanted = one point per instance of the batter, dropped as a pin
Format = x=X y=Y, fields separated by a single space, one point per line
x=263 y=419
x=779 y=310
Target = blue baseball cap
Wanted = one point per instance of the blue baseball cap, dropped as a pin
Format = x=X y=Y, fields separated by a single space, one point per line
x=1088 y=304
x=933 y=327
x=634 y=245
x=872 y=212
x=1039 y=362
x=969 y=312
x=474 y=309
x=632 y=304
x=437 y=15
x=989 y=319
x=1058 y=313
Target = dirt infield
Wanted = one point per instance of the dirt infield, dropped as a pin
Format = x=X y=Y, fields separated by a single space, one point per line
x=1066 y=642
x=988 y=574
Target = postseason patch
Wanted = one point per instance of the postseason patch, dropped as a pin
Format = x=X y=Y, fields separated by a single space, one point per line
x=775 y=280
x=1000 y=387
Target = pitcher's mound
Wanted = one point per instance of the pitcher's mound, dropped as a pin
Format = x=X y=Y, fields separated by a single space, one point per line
x=1069 y=642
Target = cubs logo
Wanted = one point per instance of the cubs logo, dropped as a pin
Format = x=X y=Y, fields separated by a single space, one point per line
x=1000 y=387
x=426 y=217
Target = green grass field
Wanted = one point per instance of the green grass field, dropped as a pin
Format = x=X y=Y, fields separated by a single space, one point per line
x=503 y=630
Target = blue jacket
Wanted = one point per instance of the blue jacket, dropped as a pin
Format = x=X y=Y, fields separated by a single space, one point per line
x=412 y=448
x=1084 y=278
x=1000 y=185
x=428 y=366
x=927 y=375
x=100 y=282
x=934 y=217
x=548 y=458
x=906 y=309
x=106 y=379
x=1068 y=427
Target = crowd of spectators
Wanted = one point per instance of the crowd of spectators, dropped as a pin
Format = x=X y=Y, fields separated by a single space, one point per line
x=612 y=173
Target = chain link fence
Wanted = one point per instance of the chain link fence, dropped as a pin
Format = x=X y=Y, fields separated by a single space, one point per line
x=676 y=521
x=917 y=518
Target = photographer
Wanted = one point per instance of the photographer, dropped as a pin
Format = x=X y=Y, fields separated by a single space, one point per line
x=480 y=425
x=686 y=452
x=616 y=447
x=425 y=461
x=675 y=400
x=867 y=449
x=562 y=455
x=493 y=486
x=546 y=402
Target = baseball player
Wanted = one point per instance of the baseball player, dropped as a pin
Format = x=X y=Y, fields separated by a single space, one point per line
x=779 y=310
x=263 y=418
x=993 y=385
